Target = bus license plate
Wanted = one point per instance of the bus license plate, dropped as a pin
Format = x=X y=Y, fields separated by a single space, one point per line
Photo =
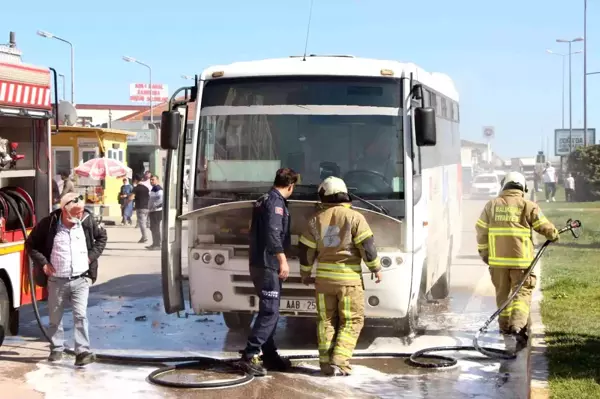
x=300 y=305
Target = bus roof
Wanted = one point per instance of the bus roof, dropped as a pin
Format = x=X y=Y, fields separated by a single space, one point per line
x=333 y=66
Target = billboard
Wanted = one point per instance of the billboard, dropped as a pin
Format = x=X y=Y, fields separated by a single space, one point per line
x=561 y=140
x=140 y=93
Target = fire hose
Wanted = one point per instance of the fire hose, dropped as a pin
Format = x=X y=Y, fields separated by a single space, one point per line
x=422 y=358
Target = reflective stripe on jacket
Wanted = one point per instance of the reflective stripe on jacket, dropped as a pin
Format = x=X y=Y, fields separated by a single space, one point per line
x=504 y=230
x=339 y=238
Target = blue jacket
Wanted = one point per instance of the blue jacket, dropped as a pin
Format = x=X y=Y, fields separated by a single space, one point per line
x=270 y=230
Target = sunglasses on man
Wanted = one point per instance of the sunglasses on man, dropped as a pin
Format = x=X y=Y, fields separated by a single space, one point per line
x=75 y=200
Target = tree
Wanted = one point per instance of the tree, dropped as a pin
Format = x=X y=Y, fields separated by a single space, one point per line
x=584 y=164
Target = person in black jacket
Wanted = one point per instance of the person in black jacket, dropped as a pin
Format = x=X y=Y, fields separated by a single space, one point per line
x=65 y=247
x=269 y=237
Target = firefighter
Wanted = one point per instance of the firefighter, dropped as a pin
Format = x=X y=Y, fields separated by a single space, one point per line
x=269 y=238
x=338 y=237
x=504 y=241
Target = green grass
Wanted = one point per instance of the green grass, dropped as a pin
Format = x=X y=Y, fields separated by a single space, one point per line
x=571 y=304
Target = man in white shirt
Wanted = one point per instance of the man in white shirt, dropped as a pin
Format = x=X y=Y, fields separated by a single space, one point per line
x=549 y=176
x=569 y=188
x=65 y=247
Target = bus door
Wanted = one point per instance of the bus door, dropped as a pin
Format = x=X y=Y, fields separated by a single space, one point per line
x=172 y=227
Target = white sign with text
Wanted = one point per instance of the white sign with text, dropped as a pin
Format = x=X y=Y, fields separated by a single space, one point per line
x=561 y=140
x=140 y=93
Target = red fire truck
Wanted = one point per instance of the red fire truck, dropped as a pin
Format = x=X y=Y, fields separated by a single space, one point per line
x=25 y=177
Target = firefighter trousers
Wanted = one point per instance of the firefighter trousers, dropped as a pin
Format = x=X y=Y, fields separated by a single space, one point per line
x=515 y=317
x=341 y=314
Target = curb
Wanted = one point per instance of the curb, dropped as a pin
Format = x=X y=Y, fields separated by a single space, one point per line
x=537 y=363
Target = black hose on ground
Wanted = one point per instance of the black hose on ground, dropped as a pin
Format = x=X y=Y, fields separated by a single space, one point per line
x=416 y=359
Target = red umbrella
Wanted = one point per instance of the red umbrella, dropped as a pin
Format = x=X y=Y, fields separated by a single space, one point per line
x=101 y=168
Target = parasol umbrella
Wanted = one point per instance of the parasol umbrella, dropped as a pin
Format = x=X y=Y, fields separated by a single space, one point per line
x=101 y=168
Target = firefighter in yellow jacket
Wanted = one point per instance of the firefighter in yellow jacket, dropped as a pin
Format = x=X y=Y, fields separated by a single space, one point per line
x=504 y=241
x=338 y=237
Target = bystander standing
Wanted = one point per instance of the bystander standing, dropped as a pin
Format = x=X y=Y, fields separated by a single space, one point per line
x=155 y=207
x=140 y=196
x=65 y=247
x=569 y=188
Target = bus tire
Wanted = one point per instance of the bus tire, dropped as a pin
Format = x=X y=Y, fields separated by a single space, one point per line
x=441 y=289
x=407 y=325
x=238 y=320
x=4 y=311
x=14 y=322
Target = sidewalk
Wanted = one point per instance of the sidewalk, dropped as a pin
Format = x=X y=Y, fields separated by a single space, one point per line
x=537 y=364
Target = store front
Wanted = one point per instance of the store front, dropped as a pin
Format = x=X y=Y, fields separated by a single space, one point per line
x=143 y=152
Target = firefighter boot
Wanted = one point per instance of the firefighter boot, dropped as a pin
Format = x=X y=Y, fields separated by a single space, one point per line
x=510 y=343
x=331 y=370
x=522 y=339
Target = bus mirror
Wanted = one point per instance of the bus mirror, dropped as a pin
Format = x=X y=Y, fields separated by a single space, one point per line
x=425 y=126
x=170 y=128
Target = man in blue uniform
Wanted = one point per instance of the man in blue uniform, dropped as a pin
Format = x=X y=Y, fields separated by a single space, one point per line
x=269 y=237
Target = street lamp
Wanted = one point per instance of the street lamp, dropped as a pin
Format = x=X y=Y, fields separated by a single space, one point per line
x=585 y=73
x=130 y=59
x=563 y=80
x=51 y=36
x=63 y=84
x=577 y=39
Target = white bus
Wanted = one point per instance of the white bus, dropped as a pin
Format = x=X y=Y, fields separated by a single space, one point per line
x=389 y=129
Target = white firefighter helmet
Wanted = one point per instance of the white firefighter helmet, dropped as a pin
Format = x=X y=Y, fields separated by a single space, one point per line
x=516 y=178
x=331 y=186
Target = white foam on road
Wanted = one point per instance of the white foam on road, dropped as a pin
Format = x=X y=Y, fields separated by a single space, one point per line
x=62 y=380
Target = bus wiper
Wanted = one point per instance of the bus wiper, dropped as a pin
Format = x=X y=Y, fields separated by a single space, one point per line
x=378 y=208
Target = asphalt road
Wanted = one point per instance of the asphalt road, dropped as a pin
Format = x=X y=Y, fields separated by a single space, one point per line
x=129 y=286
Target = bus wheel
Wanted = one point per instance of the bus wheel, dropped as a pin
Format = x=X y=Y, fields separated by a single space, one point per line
x=238 y=321
x=407 y=325
x=4 y=311
x=441 y=289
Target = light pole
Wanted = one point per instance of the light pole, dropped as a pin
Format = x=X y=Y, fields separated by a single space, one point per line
x=577 y=39
x=563 y=80
x=51 y=36
x=63 y=84
x=585 y=73
x=130 y=59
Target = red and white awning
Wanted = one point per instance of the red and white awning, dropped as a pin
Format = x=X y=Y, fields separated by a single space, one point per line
x=24 y=86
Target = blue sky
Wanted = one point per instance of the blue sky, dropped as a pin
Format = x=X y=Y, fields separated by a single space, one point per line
x=495 y=51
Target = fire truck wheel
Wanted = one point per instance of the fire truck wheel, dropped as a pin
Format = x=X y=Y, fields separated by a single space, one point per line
x=4 y=311
x=238 y=321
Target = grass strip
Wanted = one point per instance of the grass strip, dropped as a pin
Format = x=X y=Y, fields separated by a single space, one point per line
x=571 y=304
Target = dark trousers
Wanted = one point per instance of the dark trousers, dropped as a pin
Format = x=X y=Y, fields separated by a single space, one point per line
x=155 y=219
x=550 y=190
x=569 y=194
x=268 y=288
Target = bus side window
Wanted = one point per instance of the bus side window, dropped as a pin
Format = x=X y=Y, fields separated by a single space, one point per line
x=444 y=108
x=426 y=98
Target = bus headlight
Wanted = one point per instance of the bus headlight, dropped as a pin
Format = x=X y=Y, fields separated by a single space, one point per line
x=386 y=262
x=206 y=258
x=219 y=259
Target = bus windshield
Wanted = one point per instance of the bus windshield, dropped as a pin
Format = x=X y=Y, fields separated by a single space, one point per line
x=349 y=129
